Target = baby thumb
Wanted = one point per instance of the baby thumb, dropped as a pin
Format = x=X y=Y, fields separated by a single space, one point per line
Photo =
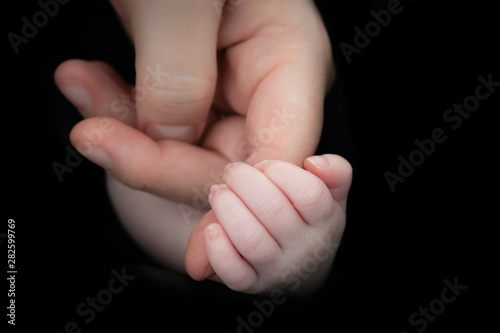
x=334 y=171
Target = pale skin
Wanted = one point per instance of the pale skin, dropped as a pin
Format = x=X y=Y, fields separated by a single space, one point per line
x=211 y=91
x=273 y=218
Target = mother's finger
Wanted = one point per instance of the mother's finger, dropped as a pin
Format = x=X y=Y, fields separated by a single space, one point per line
x=176 y=44
x=96 y=90
x=170 y=169
x=285 y=117
x=197 y=263
x=277 y=68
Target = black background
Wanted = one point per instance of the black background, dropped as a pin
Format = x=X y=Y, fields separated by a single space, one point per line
x=398 y=247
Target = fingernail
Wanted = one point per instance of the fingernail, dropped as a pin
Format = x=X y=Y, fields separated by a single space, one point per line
x=261 y=165
x=230 y=169
x=214 y=189
x=95 y=154
x=320 y=162
x=213 y=231
x=178 y=133
x=78 y=96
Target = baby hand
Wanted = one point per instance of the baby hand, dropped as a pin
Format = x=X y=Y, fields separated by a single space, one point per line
x=276 y=225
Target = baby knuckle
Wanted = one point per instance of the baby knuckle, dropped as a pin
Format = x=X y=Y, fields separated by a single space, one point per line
x=313 y=195
x=251 y=240
x=272 y=206
x=265 y=258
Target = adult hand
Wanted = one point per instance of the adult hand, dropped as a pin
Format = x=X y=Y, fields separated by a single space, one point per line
x=243 y=82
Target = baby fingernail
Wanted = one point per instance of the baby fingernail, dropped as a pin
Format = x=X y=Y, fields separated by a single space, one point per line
x=261 y=165
x=215 y=189
x=231 y=169
x=95 y=154
x=228 y=167
x=78 y=96
x=320 y=162
x=213 y=231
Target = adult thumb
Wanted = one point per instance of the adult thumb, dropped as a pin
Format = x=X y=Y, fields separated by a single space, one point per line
x=176 y=65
